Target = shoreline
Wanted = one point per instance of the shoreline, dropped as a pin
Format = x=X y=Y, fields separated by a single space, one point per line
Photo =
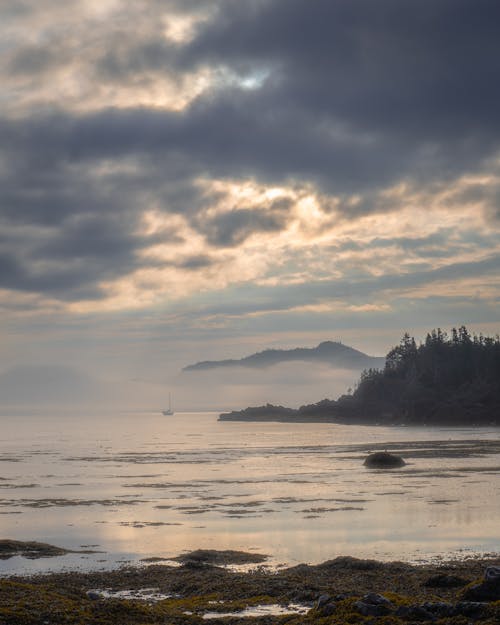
x=203 y=583
x=281 y=414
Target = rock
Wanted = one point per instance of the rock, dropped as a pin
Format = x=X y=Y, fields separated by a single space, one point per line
x=376 y=599
x=383 y=460
x=415 y=613
x=322 y=600
x=303 y=595
x=196 y=564
x=328 y=609
x=491 y=573
x=93 y=595
x=445 y=581
x=325 y=606
x=472 y=609
x=373 y=604
x=370 y=609
x=487 y=590
x=353 y=564
x=31 y=549
x=224 y=557
x=439 y=608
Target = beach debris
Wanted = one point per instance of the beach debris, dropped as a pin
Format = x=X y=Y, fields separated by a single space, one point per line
x=383 y=460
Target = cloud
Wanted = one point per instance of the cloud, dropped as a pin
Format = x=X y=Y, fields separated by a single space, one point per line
x=302 y=152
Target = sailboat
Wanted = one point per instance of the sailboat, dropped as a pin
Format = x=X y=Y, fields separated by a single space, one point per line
x=168 y=411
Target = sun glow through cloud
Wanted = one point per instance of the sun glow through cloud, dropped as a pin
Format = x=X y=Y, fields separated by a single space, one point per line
x=225 y=170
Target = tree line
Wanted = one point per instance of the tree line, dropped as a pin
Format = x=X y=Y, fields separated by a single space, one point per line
x=448 y=378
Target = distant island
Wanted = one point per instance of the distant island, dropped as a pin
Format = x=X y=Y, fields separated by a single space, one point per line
x=331 y=352
x=446 y=380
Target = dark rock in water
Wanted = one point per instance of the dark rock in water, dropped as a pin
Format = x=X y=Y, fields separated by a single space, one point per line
x=445 y=581
x=383 y=460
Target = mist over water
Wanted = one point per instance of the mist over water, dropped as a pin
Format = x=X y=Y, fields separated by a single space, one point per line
x=70 y=389
x=137 y=485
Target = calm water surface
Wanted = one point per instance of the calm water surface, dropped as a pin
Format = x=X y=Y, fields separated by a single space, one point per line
x=140 y=485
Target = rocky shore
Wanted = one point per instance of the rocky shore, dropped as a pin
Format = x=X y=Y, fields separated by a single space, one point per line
x=204 y=586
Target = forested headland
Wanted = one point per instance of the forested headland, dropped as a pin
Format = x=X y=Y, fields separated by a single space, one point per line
x=449 y=379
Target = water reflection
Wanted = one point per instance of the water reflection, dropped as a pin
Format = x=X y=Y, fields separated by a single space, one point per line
x=142 y=486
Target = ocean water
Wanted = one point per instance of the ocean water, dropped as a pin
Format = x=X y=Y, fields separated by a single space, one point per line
x=132 y=486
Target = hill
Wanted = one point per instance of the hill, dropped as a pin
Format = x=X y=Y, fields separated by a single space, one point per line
x=330 y=352
x=443 y=381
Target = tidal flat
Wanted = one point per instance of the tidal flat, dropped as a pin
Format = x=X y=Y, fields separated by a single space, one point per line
x=142 y=486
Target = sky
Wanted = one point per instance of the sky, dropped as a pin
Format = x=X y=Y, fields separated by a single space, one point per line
x=187 y=180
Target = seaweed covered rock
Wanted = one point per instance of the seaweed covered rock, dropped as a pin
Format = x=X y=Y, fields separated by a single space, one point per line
x=445 y=581
x=384 y=460
x=486 y=590
x=217 y=558
x=30 y=549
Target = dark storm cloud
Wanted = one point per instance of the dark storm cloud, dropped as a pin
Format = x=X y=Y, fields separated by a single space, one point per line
x=348 y=96
x=233 y=227
x=196 y=262
x=65 y=229
x=35 y=60
x=359 y=94
x=399 y=65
